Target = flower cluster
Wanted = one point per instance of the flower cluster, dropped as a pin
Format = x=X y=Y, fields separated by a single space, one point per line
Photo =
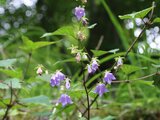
x=56 y=81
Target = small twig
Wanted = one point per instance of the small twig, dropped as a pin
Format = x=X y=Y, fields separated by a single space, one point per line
x=134 y=42
x=99 y=42
x=10 y=105
x=87 y=94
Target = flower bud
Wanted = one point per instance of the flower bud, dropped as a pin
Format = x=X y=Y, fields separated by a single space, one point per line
x=78 y=57
x=39 y=71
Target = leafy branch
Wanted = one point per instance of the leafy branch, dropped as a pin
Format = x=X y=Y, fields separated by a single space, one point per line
x=126 y=54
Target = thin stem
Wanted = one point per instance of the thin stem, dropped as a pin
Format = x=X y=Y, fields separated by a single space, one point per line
x=85 y=87
x=134 y=42
x=10 y=105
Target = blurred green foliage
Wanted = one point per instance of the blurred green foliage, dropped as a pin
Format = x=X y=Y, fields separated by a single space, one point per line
x=42 y=33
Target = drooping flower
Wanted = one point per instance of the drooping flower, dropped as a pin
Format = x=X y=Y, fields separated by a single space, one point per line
x=65 y=99
x=119 y=62
x=67 y=83
x=57 y=78
x=79 y=12
x=93 y=67
x=54 y=81
x=101 y=89
x=108 y=77
x=89 y=69
x=59 y=75
x=39 y=71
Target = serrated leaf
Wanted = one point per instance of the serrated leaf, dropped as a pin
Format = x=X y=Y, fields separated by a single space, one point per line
x=156 y=20
x=12 y=73
x=37 y=45
x=42 y=99
x=30 y=45
x=27 y=41
x=7 y=62
x=66 y=30
x=92 y=26
x=14 y=83
x=130 y=68
x=140 y=14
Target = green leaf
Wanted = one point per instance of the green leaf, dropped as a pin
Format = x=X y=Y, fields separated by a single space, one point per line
x=29 y=45
x=14 y=83
x=66 y=30
x=130 y=68
x=156 y=20
x=98 y=52
x=7 y=62
x=101 y=52
x=140 y=14
x=112 y=56
x=113 y=51
x=76 y=93
x=37 y=45
x=12 y=73
x=43 y=100
x=44 y=77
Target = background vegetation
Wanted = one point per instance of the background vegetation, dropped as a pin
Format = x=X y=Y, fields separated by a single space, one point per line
x=136 y=97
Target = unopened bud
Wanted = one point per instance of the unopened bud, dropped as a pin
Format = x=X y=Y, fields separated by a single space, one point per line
x=39 y=71
x=119 y=62
x=84 y=56
x=78 y=57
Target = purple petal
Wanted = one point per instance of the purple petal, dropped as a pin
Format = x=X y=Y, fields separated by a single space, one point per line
x=79 y=12
x=65 y=99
